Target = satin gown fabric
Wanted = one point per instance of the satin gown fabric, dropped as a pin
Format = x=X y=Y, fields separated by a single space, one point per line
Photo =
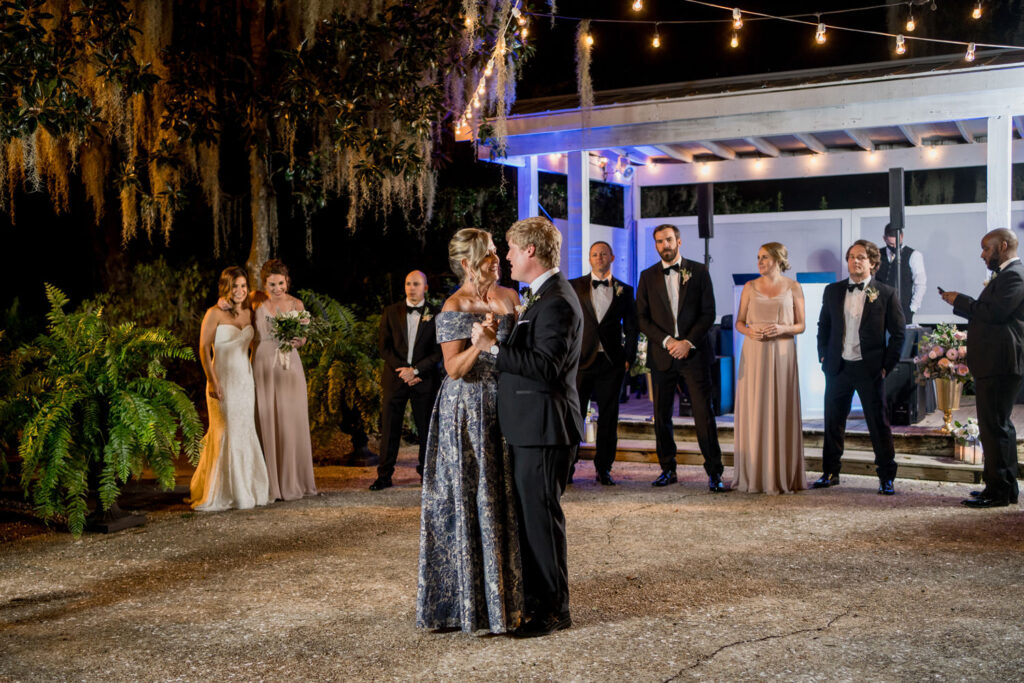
x=470 y=569
x=231 y=472
x=769 y=441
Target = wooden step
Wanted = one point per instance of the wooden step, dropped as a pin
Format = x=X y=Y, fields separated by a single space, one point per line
x=855 y=461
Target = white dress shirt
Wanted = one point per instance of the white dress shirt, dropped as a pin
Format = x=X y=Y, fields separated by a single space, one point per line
x=601 y=296
x=672 y=285
x=917 y=276
x=853 y=311
x=1007 y=262
x=412 y=323
x=541 y=279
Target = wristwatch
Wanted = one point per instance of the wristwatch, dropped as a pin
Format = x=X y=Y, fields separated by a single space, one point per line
x=493 y=350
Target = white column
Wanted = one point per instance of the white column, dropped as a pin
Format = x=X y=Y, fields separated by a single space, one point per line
x=528 y=193
x=1000 y=170
x=578 y=164
x=633 y=213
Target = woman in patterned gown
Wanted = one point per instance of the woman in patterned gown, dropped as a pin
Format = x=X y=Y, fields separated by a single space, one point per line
x=470 y=573
x=769 y=444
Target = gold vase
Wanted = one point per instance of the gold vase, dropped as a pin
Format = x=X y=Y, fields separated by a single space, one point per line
x=947 y=397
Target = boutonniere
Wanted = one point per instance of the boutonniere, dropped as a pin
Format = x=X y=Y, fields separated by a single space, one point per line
x=991 y=277
x=425 y=318
x=529 y=298
x=871 y=293
x=684 y=276
x=617 y=289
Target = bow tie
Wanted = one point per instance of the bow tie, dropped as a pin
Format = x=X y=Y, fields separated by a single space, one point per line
x=851 y=287
x=598 y=283
x=414 y=309
x=526 y=292
x=671 y=268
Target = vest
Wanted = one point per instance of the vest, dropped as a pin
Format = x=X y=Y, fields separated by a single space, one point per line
x=887 y=274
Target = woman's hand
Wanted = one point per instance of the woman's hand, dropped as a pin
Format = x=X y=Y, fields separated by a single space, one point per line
x=298 y=342
x=771 y=331
x=214 y=391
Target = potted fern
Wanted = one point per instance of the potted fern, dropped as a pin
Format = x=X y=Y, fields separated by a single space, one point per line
x=93 y=407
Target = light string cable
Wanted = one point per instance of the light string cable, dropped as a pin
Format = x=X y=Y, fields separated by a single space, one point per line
x=516 y=14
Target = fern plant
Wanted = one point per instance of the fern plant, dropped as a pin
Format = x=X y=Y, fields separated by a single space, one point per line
x=94 y=407
x=342 y=365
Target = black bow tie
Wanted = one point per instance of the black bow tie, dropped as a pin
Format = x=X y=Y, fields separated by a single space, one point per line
x=671 y=268
x=414 y=309
x=598 y=283
x=851 y=287
x=526 y=292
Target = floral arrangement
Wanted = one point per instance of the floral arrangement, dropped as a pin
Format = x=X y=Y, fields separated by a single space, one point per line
x=943 y=355
x=529 y=299
x=640 y=362
x=871 y=293
x=967 y=432
x=288 y=325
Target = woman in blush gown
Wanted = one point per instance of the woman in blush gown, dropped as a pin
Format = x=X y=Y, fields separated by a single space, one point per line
x=470 y=571
x=769 y=443
x=282 y=406
x=231 y=472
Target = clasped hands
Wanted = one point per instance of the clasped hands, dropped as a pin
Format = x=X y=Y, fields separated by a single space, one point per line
x=485 y=334
x=408 y=375
x=678 y=348
x=765 y=332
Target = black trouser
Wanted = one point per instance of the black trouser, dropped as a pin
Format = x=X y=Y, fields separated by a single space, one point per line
x=839 y=388
x=995 y=397
x=602 y=381
x=392 y=417
x=541 y=473
x=696 y=373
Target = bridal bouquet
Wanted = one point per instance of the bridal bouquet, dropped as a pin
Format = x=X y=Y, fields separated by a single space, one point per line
x=943 y=355
x=286 y=326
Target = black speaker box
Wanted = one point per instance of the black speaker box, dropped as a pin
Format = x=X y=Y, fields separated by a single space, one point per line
x=907 y=401
x=705 y=210
x=896 y=213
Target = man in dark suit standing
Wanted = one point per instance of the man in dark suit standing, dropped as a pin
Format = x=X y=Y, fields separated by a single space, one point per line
x=995 y=339
x=408 y=345
x=539 y=413
x=856 y=314
x=676 y=308
x=609 y=347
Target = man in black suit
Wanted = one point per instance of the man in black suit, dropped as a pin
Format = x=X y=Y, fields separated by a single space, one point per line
x=995 y=339
x=676 y=308
x=609 y=347
x=855 y=354
x=410 y=372
x=539 y=413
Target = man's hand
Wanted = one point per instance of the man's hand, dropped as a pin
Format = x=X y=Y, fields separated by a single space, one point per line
x=407 y=374
x=483 y=337
x=949 y=297
x=223 y=304
x=678 y=348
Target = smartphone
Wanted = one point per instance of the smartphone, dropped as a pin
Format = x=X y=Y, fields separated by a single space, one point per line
x=941 y=290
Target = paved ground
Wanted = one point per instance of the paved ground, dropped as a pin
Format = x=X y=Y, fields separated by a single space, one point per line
x=667 y=584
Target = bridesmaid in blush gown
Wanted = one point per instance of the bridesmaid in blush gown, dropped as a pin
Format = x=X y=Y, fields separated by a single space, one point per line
x=231 y=472
x=282 y=406
x=769 y=444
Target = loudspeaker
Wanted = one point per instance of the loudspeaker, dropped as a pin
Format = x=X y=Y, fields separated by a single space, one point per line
x=907 y=401
x=896 y=213
x=705 y=210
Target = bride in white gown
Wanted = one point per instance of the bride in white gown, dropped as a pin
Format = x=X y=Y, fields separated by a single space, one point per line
x=231 y=472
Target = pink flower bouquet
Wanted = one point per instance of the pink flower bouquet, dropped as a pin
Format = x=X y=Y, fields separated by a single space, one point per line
x=943 y=355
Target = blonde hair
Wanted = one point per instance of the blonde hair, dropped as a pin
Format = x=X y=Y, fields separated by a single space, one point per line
x=472 y=244
x=542 y=234
x=779 y=253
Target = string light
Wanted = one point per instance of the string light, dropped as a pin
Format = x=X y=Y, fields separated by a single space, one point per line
x=656 y=41
x=523 y=32
x=970 y=52
x=638 y=5
x=976 y=12
x=900 y=45
x=737 y=18
x=735 y=42
x=911 y=24
x=489 y=69
x=465 y=121
x=819 y=35
x=589 y=40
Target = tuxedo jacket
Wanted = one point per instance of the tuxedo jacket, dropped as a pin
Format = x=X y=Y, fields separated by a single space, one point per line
x=884 y=314
x=393 y=342
x=995 y=328
x=696 y=313
x=616 y=332
x=537 y=400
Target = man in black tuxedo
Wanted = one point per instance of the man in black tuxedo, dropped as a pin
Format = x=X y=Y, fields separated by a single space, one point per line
x=539 y=413
x=995 y=339
x=410 y=372
x=676 y=308
x=855 y=354
x=609 y=347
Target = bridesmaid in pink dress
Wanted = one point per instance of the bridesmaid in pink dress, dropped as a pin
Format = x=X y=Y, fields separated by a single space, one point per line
x=282 y=410
x=769 y=444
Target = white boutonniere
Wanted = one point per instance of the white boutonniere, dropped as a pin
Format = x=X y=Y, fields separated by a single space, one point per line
x=871 y=293
x=991 y=277
x=529 y=298
x=425 y=318
x=684 y=276
x=617 y=289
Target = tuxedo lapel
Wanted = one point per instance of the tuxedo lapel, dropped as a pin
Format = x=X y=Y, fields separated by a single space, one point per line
x=588 y=299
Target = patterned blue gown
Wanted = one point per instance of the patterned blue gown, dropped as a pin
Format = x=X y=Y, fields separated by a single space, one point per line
x=470 y=571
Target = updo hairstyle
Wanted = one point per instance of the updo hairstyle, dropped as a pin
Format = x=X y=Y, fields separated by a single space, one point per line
x=779 y=254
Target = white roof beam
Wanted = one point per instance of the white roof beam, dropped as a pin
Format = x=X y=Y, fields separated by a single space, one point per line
x=630 y=154
x=763 y=146
x=675 y=153
x=718 y=149
x=911 y=135
x=813 y=143
x=861 y=138
x=964 y=133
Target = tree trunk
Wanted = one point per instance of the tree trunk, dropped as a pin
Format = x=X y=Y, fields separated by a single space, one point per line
x=263 y=203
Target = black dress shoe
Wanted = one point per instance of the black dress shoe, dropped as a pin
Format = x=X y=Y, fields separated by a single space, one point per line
x=985 y=494
x=825 y=481
x=665 y=479
x=381 y=483
x=886 y=488
x=715 y=485
x=985 y=502
x=605 y=479
x=977 y=494
x=543 y=626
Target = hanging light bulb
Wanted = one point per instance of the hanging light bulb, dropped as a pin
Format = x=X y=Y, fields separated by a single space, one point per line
x=911 y=24
x=656 y=41
x=976 y=12
x=900 y=44
x=970 y=52
x=819 y=35
x=589 y=40
x=523 y=32
x=737 y=18
x=489 y=69
x=735 y=40
x=476 y=103
x=517 y=13
x=469 y=22
x=638 y=5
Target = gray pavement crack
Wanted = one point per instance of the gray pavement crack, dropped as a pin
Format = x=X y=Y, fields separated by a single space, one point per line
x=615 y=519
x=709 y=657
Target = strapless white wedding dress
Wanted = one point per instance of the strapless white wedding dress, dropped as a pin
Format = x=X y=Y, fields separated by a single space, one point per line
x=231 y=472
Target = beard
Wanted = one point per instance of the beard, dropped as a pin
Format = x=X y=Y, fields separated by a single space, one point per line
x=668 y=255
x=993 y=263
